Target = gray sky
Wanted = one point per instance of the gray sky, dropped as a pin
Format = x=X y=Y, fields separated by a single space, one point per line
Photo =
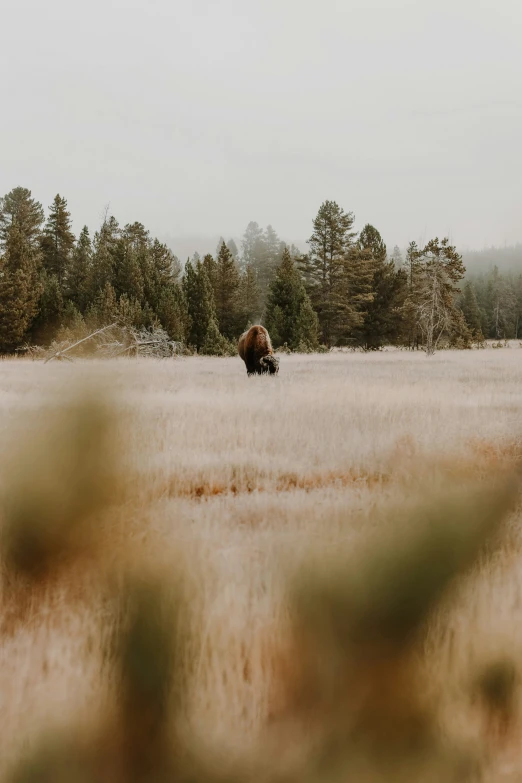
x=197 y=117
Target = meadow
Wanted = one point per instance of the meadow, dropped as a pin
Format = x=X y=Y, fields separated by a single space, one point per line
x=237 y=482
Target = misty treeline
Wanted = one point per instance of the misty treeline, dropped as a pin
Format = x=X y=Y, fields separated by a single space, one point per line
x=346 y=291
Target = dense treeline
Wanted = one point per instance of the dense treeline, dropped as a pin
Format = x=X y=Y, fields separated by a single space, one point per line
x=492 y=304
x=347 y=290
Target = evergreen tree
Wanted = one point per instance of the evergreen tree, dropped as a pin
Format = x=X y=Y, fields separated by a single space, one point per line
x=470 y=310
x=173 y=313
x=500 y=306
x=254 y=255
x=397 y=257
x=104 y=257
x=163 y=271
x=517 y=290
x=307 y=327
x=200 y=303
x=58 y=241
x=20 y=209
x=325 y=271
x=382 y=319
x=227 y=298
x=104 y=309
x=214 y=343
x=233 y=249
x=129 y=267
x=355 y=294
x=134 y=272
x=253 y=246
x=269 y=261
x=289 y=312
x=210 y=266
x=80 y=271
x=51 y=307
x=249 y=296
x=459 y=333
x=413 y=270
x=20 y=287
x=371 y=242
x=130 y=312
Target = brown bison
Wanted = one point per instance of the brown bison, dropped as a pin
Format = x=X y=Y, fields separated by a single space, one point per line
x=256 y=351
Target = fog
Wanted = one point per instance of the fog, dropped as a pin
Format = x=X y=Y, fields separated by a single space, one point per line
x=197 y=117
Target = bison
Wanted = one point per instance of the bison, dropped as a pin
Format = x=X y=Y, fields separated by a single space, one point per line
x=256 y=351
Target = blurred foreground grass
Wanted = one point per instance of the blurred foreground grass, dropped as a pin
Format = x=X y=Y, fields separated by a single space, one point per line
x=353 y=679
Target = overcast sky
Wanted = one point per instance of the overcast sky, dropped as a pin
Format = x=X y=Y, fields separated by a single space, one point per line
x=196 y=117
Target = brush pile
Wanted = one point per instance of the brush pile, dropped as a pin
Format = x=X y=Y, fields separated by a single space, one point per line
x=115 y=340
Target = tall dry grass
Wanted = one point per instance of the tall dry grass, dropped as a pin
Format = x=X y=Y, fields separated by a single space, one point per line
x=190 y=470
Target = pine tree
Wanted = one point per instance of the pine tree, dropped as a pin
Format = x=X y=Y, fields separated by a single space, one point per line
x=77 y=289
x=285 y=295
x=20 y=287
x=325 y=270
x=288 y=313
x=132 y=263
x=51 y=307
x=269 y=261
x=104 y=310
x=397 y=257
x=173 y=313
x=227 y=300
x=354 y=294
x=470 y=310
x=200 y=303
x=413 y=270
x=130 y=312
x=215 y=344
x=517 y=290
x=383 y=322
x=373 y=244
x=18 y=207
x=307 y=327
x=210 y=266
x=501 y=305
x=128 y=272
x=459 y=334
x=103 y=260
x=252 y=246
x=233 y=249
x=162 y=269
x=382 y=319
x=249 y=297
x=58 y=241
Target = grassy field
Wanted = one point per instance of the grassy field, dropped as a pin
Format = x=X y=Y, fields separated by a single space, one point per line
x=237 y=480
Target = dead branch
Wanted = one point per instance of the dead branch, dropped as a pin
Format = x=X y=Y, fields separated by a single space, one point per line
x=61 y=353
x=124 y=340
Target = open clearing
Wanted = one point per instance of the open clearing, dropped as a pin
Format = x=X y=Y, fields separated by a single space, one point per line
x=238 y=475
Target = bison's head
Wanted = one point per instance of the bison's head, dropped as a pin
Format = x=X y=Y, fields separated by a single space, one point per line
x=270 y=364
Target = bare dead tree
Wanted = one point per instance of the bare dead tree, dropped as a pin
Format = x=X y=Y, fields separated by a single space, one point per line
x=440 y=270
x=433 y=313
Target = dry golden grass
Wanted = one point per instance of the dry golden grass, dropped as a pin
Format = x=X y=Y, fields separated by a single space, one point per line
x=234 y=481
